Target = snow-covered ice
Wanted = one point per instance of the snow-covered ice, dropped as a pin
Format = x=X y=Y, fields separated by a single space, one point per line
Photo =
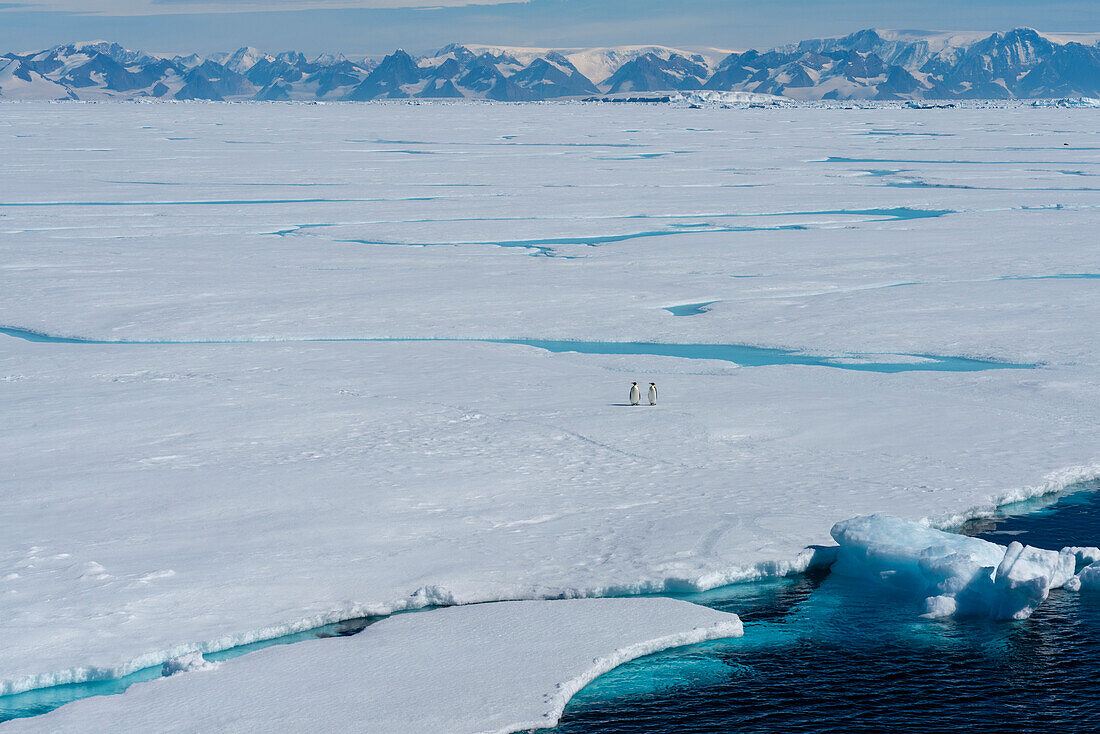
x=954 y=573
x=485 y=668
x=163 y=499
x=1087 y=580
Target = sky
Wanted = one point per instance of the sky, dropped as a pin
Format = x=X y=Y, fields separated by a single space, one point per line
x=375 y=27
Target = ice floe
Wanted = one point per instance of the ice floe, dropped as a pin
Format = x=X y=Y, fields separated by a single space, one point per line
x=503 y=667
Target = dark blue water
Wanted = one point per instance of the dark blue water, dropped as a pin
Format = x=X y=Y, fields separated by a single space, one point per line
x=821 y=654
x=740 y=354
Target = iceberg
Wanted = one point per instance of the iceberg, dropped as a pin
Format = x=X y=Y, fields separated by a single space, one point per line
x=956 y=574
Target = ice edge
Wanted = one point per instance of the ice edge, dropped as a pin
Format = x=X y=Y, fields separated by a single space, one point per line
x=607 y=663
x=435 y=596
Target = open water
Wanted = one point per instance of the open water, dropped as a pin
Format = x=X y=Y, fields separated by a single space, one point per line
x=823 y=653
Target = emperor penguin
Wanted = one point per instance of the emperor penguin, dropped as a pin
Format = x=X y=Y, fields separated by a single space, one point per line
x=652 y=393
x=635 y=393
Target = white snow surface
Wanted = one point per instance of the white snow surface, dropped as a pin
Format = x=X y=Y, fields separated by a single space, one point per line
x=485 y=668
x=730 y=98
x=163 y=499
x=956 y=574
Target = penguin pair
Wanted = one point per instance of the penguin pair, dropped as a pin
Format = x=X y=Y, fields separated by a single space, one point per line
x=636 y=394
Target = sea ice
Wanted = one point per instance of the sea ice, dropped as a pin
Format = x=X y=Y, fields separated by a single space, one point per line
x=503 y=667
x=164 y=499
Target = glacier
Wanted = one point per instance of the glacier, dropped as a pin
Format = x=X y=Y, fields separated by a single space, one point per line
x=163 y=499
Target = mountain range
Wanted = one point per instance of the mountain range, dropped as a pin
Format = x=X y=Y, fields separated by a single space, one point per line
x=868 y=64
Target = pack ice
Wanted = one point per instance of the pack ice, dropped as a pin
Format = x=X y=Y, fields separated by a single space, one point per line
x=297 y=414
x=956 y=574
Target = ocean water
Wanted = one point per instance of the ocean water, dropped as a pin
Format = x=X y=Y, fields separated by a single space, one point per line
x=821 y=654
x=740 y=354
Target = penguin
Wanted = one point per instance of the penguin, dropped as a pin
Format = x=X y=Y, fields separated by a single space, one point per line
x=652 y=393
x=635 y=393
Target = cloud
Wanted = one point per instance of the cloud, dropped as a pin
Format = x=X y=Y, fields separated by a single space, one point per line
x=127 y=8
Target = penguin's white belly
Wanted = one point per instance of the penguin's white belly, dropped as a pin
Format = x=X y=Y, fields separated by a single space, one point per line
x=652 y=396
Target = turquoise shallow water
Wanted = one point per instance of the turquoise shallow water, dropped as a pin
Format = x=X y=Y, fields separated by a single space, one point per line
x=43 y=700
x=745 y=356
x=689 y=309
x=821 y=654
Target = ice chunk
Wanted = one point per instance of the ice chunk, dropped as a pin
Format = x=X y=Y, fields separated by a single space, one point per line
x=186 y=664
x=1024 y=578
x=956 y=574
x=1083 y=555
x=940 y=606
x=1087 y=580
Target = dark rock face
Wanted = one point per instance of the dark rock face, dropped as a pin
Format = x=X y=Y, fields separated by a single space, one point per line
x=552 y=77
x=274 y=92
x=650 y=72
x=332 y=78
x=213 y=81
x=388 y=78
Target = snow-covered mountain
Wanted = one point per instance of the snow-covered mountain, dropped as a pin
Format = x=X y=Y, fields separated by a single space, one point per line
x=100 y=70
x=873 y=64
x=19 y=80
x=868 y=64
